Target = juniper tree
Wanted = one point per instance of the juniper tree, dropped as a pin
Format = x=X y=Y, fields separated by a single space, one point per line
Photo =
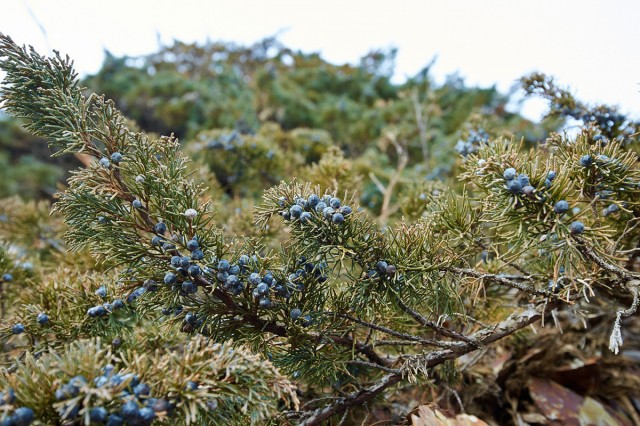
x=319 y=294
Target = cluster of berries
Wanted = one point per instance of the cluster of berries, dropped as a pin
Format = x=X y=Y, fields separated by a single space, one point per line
x=471 y=144
x=186 y=269
x=228 y=142
x=519 y=183
x=382 y=269
x=105 y=308
x=304 y=209
x=21 y=416
x=138 y=407
x=116 y=158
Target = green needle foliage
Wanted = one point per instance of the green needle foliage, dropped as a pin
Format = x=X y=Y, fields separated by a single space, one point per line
x=318 y=291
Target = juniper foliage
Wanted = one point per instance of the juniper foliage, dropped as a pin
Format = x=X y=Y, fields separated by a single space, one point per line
x=344 y=305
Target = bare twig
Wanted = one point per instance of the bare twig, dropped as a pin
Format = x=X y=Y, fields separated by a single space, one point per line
x=426 y=361
x=500 y=279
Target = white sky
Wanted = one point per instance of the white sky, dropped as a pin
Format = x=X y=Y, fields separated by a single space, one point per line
x=590 y=46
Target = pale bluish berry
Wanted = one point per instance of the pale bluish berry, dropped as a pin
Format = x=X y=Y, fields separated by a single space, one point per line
x=561 y=207
x=265 y=303
x=346 y=210
x=101 y=292
x=223 y=265
x=576 y=227
x=305 y=217
x=255 y=278
x=42 y=318
x=509 y=174
x=313 y=200
x=116 y=157
x=160 y=228
x=197 y=254
x=514 y=186
x=194 y=270
x=170 y=278
x=136 y=204
x=7 y=277
x=338 y=218
x=295 y=313
x=190 y=214
x=295 y=211
x=98 y=415
x=586 y=160
x=328 y=212
x=104 y=162
x=192 y=245
x=262 y=288
x=335 y=203
x=17 y=329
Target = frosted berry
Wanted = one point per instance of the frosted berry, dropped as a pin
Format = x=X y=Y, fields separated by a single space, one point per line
x=223 y=265
x=346 y=210
x=190 y=214
x=185 y=262
x=141 y=389
x=265 y=303
x=305 y=217
x=244 y=259
x=156 y=241
x=561 y=207
x=613 y=208
x=551 y=175
x=295 y=211
x=101 y=292
x=136 y=204
x=391 y=270
x=117 y=304
x=130 y=412
x=335 y=203
x=115 y=420
x=313 y=200
x=191 y=386
x=98 y=415
x=528 y=190
x=189 y=287
x=147 y=415
x=116 y=157
x=524 y=180
x=194 y=270
x=139 y=179
x=175 y=261
x=514 y=186
x=192 y=245
x=262 y=288
x=160 y=228
x=104 y=162
x=7 y=277
x=170 y=278
x=586 y=160
x=320 y=207
x=381 y=266
x=328 y=212
x=17 y=329
x=338 y=218
x=255 y=278
x=576 y=227
x=197 y=254
x=234 y=270
x=509 y=174
x=295 y=313
x=22 y=416
x=43 y=319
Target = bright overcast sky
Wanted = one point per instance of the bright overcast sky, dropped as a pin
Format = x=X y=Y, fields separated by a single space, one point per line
x=589 y=46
